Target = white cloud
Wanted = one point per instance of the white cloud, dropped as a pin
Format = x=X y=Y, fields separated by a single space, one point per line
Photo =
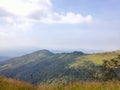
x=39 y=11
x=15 y=24
x=3 y=34
x=8 y=20
x=18 y=16
x=18 y=7
x=69 y=18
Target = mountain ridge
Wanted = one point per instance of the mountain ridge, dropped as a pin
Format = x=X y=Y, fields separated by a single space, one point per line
x=44 y=66
x=2 y=58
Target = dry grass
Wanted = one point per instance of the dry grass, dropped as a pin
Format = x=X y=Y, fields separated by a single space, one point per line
x=112 y=85
x=11 y=84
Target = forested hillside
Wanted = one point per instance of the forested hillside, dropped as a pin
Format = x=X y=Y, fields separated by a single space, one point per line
x=46 y=67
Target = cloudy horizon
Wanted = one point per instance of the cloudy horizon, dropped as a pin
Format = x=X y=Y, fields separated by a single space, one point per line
x=60 y=24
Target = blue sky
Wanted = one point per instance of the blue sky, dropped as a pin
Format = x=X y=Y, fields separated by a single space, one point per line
x=60 y=24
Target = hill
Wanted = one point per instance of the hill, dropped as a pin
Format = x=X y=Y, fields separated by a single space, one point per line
x=96 y=58
x=4 y=58
x=46 y=67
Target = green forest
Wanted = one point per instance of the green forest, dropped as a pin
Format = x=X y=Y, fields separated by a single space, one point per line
x=44 y=70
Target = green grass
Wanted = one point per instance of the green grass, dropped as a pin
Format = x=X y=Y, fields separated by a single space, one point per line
x=96 y=58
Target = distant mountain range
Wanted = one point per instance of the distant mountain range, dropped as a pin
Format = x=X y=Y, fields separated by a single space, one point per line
x=23 y=51
x=44 y=66
x=2 y=58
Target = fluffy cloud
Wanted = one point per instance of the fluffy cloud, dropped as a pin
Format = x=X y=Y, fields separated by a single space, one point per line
x=18 y=7
x=37 y=11
x=3 y=34
x=69 y=18
x=17 y=17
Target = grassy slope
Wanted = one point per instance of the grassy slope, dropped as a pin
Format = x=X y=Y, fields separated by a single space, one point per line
x=11 y=84
x=96 y=58
x=115 y=85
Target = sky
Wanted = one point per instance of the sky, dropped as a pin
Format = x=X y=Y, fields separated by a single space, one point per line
x=60 y=24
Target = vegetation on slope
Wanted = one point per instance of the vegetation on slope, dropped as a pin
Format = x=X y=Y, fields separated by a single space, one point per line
x=46 y=67
x=11 y=84
x=67 y=74
x=96 y=58
x=111 y=85
x=41 y=66
x=109 y=70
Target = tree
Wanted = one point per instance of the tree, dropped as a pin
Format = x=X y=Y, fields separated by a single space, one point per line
x=109 y=70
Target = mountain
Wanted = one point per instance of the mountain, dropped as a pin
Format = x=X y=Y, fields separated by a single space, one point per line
x=4 y=58
x=38 y=66
x=44 y=66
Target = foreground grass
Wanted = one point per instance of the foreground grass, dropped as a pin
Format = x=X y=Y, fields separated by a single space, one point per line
x=114 y=85
x=10 y=84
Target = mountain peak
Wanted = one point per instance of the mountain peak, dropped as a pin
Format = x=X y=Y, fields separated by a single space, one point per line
x=45 y=52
x=78 y=53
